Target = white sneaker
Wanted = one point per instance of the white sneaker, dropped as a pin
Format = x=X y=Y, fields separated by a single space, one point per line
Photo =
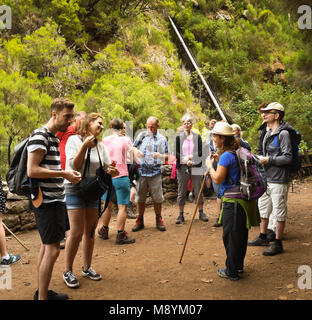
x=91 y=274
x=70 y=279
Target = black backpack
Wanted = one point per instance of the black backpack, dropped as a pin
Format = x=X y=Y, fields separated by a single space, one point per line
x=295 y=138
x=17 y=178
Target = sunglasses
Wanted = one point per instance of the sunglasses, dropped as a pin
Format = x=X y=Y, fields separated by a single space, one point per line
x=268 y=112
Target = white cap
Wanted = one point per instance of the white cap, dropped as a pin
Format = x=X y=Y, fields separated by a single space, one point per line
x=273 y=106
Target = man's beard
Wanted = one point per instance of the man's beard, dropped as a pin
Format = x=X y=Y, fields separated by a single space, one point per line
x=63 y=128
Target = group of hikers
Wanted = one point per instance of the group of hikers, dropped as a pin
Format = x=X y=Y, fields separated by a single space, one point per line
x=66 y=150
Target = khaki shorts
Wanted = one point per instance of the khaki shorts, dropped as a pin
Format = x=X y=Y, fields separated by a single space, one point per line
x=151 y=184
x=274 y=201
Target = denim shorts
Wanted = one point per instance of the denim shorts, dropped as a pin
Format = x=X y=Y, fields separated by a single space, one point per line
x=122 y=188
x=75 y=201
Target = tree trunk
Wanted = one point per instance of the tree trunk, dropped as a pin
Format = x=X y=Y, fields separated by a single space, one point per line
x=9 y=150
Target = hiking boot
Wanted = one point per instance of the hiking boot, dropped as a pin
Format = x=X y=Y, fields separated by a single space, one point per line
x=70 y=279
x=223 y=274
x=52 y=295
x=273 y=249
x=62 y=243
x=91 y=274
x=139 y=224
x=258 y=242
x=12 y=259
x=103 y=232
x=203 y=217
x=122 y=238
x=131 y=212
x=217 y=224
x=180 y=218
x=270 y=235
x=159 y=223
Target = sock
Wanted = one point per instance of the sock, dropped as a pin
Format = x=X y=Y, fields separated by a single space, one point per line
x=262 y=236
x=181 y=213
x=7 y=257
x=120 y=231
x=201 y=211
x=278 y=242
x=130 y=204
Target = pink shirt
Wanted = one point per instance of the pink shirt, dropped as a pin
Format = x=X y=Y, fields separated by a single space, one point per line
x=118 y=147
x=188 y=147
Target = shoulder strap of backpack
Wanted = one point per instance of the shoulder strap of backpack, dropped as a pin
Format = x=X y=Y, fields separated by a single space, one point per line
x=228 y=176
x=143 y=135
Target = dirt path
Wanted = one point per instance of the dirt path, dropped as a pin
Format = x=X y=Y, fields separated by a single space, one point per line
x=150 y=269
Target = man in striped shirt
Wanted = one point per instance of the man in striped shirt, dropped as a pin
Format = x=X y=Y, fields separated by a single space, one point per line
x=153 y=149
x=44 y=169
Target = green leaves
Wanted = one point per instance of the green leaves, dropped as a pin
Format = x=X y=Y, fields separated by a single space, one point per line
x=22 y=108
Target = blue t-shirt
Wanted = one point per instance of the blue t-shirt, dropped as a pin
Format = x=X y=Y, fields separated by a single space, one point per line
x=229 y=160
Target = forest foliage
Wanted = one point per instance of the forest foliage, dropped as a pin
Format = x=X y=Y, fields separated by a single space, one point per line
x=122 y=59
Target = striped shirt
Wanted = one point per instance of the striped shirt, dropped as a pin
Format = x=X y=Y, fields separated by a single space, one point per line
x=149 y=166
x=52 y=188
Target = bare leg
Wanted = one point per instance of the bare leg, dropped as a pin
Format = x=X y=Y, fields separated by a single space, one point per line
x=280 y=226
x=50 y=254
x=264 y=225
x=141 y=208
x=157 y=208
x=107 y=214
x=90 y=223
x=132 y=194
x=76 y=221
x=121 y=217
x=3 y=247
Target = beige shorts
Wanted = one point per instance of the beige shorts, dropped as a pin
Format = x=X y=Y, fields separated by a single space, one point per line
x=274 y=201
x=151 y=184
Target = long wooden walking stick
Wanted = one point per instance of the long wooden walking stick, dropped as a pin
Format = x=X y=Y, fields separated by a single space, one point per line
x=197 y=203
x=5 y=227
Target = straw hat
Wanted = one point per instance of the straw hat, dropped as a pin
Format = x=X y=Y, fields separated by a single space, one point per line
x=223 y=129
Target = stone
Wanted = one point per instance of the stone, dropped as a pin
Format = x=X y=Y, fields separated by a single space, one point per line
x=206 y=280
x=13 y=196
x=28 y=226
x=170 y=195
x=12 y=221
x=15 y=207
x=27 y=218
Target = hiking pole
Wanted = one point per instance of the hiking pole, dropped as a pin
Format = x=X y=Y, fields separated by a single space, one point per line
x=5 y=227
x=197 y=203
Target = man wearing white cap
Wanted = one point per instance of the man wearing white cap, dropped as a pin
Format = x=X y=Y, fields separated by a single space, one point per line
x=276 y=157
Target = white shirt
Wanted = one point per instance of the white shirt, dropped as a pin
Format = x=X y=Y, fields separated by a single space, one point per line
x=73 y=145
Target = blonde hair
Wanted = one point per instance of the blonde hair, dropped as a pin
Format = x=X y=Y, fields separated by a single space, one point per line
x=84 y=129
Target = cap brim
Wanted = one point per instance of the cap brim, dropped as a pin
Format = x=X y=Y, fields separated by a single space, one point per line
x=223 y=134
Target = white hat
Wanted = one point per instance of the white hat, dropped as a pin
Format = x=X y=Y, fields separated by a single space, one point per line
x=234 y=125
x=273 y=106
x=223 y=129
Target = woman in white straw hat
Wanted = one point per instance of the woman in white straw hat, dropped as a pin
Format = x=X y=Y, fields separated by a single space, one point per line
x=235 y=228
